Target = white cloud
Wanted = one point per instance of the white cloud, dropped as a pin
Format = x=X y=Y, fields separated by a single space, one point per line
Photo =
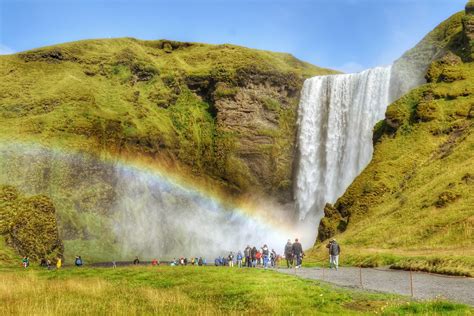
x=351 y=67
x=5 y=50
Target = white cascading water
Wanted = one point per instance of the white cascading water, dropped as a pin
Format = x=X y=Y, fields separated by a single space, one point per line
x=336 y=117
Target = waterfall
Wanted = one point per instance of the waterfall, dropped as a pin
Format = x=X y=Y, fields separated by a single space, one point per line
x=336 y=117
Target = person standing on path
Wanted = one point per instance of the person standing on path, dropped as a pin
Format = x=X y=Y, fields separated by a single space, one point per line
x=136 y=261
x=289 y=254
x=253 y=255
x=258 y=257
x=266 y=256
x=78 y=261
x=273 y=256
x=239 y=259
x=25 y=262
x=334 y=251
x=247 y=254
x=298 y=253
x=59 y=263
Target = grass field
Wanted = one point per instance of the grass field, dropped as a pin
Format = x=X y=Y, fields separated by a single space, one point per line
x=451 y=262
x=197 y=290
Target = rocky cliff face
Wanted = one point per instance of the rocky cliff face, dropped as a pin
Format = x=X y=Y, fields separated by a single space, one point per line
x=261 y=116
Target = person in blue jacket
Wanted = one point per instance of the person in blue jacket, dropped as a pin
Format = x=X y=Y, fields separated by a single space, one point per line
x=239 y=259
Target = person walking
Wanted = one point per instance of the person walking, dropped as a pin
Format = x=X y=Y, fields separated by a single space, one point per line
x=239 y=259
x=231 y=259
x=298 y=252
x=289 y=254
x=273 y=256
x=247 y=254
x=334 y=251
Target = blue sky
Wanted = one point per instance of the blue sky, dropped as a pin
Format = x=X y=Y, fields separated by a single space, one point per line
x=348 y=35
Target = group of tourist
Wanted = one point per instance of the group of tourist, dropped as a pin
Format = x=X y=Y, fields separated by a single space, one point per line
x=45 y=263
x=251 y=257
x=294 y=254
x=183 y=261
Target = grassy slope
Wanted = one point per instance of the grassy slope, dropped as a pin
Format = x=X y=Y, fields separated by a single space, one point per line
x=124 y=94
x=7 y=254
x=151 y=99
x=132 y=96
x=173 y=290
x=413 y=206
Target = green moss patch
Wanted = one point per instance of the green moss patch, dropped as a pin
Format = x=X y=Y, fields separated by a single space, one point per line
x=28 y=224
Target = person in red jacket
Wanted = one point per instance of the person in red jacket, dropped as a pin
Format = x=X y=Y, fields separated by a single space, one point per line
x=258 y=256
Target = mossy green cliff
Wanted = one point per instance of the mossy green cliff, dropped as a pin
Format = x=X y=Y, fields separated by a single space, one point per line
x=225 y=112
x=221 y=115
x=28 y=225
x=413 y=206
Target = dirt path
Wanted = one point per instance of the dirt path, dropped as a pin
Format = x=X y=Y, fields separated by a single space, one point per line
x=425 y=285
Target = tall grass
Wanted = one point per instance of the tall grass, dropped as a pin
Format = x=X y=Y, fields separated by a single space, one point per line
x=190 y=290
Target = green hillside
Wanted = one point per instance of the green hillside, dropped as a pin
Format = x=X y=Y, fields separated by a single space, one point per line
x=161 y=98
x=221 y=116
x=413 y=206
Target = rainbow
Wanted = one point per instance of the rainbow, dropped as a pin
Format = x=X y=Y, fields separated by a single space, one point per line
x=144 y=181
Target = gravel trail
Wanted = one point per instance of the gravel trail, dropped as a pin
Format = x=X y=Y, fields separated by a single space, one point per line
x=425 y=285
